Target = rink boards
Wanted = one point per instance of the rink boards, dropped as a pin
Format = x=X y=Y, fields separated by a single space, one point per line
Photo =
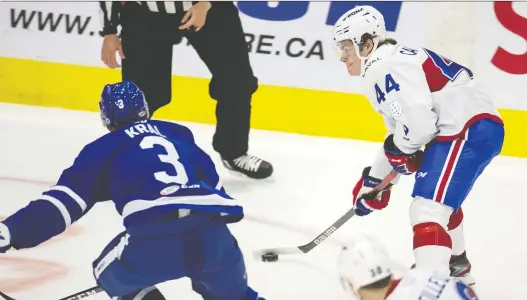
x=304 y=111
x=50 y=56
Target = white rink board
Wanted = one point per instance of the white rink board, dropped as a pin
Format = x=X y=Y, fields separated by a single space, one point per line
x=467 y=32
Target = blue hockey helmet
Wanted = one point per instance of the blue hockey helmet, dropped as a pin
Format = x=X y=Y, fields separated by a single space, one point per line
x=122 y=103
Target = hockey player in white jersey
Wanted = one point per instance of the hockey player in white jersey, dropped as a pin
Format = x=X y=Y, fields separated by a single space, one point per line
x=366 y=271
x=427 y=101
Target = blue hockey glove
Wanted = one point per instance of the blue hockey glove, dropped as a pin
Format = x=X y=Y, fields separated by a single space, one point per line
x=5 y=238
x=363 y=202
x=403 y=163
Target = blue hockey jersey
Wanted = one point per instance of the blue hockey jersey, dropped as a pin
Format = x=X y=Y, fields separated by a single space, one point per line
x=149 y=169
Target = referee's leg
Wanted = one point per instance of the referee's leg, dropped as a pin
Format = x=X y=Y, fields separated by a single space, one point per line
x=221 y=45
x=148 y=52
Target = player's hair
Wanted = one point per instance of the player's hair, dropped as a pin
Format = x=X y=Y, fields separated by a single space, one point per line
x=379 y=284
x=367 y=36
x=387 y=41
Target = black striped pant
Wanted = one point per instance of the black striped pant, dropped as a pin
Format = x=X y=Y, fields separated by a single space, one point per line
x=148 y=39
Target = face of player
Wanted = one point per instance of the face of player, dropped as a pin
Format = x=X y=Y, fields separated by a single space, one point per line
x=350 y=58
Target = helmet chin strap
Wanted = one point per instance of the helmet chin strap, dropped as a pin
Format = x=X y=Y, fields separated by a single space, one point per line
x=364 y=59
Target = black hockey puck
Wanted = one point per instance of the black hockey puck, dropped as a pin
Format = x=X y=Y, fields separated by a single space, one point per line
x=269 y=257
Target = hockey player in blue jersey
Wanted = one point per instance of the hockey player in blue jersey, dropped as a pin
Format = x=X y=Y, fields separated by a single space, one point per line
x=168 y=192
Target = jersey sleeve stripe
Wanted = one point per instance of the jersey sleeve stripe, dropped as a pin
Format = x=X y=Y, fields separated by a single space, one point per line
x=71 y=205
x=60 y=206
x=72 y=195
x=141 y=205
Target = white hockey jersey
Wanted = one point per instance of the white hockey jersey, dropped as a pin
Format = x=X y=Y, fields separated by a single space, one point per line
x=423 y=96
x=419 y=284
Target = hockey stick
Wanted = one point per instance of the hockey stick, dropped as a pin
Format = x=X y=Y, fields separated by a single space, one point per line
x=80 y=295
x=271 y=254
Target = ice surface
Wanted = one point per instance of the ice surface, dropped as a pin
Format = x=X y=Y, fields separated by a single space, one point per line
x=310 y=189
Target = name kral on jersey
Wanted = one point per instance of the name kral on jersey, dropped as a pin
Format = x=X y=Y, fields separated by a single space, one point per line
x=140 y=128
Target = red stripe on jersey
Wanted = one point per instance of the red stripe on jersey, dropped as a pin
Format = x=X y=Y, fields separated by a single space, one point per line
x=474 y=119
x=434 y=77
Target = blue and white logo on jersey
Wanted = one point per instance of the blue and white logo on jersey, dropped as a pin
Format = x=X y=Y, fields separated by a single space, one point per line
x=170 y=190
x=395 y=108
x=465 y=292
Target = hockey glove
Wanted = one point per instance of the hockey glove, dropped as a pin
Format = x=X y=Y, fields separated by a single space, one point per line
x=5 y=238
x=364 y=202
x=403 y=163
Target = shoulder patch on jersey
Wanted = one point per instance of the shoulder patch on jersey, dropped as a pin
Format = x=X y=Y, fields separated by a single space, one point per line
x=465 y=292
x=395 y=108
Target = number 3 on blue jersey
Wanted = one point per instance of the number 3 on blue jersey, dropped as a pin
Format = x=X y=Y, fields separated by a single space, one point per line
x=172 y=157
x=390 y=85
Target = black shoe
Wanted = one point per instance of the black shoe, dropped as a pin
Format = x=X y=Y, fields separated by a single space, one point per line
x=250 y=166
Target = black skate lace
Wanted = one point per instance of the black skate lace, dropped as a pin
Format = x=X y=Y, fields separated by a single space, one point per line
x=248 y=162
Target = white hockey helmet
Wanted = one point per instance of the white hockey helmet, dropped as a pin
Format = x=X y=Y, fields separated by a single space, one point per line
x=356 y=22
x=353 y=24
x=363 y=261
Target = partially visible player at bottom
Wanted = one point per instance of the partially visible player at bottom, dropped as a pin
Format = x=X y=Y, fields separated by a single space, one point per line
x=430 y=102
x=366 y=271
x=168 y=192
